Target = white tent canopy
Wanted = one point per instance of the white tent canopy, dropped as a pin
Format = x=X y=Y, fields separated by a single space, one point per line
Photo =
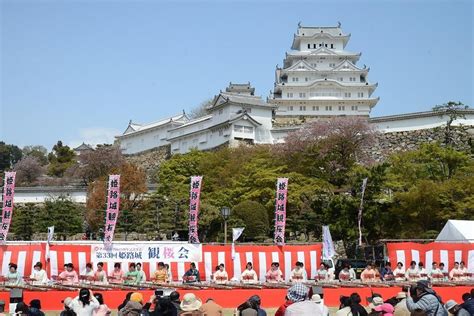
x=457 y=230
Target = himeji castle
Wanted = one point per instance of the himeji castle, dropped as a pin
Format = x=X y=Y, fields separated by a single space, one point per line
x=319 y=79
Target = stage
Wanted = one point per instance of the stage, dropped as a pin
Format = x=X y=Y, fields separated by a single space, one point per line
x=271 y=298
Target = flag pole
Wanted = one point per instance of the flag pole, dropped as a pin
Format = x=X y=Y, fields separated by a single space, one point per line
x=359 y=217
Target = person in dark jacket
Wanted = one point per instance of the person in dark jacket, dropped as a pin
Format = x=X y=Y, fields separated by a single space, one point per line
x=356 y=308
x=468 y=304
x=35 y=308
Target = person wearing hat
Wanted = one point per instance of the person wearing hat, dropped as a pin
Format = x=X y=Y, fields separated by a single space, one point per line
x=134 y=306
x=455 y=309
x=427 y=300
x=67 y=311
x=298 y=294
x=316 y=298
x=376 y=301
x=190 y=305
x=385 y=309
x=401 y=307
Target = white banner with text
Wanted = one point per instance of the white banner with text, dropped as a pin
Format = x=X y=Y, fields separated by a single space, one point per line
x=149 y=252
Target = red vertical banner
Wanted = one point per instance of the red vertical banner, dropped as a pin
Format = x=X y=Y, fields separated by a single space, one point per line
x=7 y=213
x=280 y=211
x=194 y=201
x=113 y=206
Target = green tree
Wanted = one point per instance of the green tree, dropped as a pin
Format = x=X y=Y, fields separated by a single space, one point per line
x=453 y=110
x=66 y=216
x=23 y=222
x=60 y=159
x=255 y=220
x=9 y=155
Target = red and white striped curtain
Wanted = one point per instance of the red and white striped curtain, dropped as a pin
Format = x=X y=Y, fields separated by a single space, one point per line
x=261 y=257
x=448 y=253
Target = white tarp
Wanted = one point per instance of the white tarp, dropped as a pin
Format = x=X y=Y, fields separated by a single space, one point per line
x=457 y=230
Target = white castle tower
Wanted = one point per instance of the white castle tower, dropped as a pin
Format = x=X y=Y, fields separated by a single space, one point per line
x=319 y=78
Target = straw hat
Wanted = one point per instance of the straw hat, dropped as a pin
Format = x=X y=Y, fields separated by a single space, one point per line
x=190 y=302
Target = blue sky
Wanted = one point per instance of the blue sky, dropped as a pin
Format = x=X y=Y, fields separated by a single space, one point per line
x=80 y=70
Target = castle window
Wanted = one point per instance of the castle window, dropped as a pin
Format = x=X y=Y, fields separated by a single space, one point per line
x=332 y=65
x=332 y=45
x=328 y=108
x=354 y=108
x=302 y=95
x=302 y=107
x=347 y=94
x=289 y=95
x=309 y=45
x=360 y=94
x=341 y=79
x=315 y=108
x=314 y=45
x=342 y=107
x=290 y=108
x=306 y=79
x=294 y=79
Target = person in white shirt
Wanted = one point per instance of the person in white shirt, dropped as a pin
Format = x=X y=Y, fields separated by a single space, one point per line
x=463 y=271
x=84 y=304
x=455 y=274
x=298 y=294
x=322 y=273
x=422 y=271
x=88 y=273
x=249 y=276
x=435 y=274
x=38 y=275
x=345 y=274
x=220 y=276
x=444 y=271
x=412 y=274
x=142 y=273
x=298 y=274
x=399 y=272
x=352 y=273
x=316 y=298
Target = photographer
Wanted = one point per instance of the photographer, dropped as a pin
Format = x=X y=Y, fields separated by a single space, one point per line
x=162 y=306
x=425 y=300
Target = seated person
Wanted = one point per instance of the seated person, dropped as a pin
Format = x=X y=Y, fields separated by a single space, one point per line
x=192 y=275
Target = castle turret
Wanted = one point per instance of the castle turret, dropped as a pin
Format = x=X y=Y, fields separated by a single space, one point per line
x=320 y=78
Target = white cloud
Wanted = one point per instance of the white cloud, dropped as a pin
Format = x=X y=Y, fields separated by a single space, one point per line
x=95 y=135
